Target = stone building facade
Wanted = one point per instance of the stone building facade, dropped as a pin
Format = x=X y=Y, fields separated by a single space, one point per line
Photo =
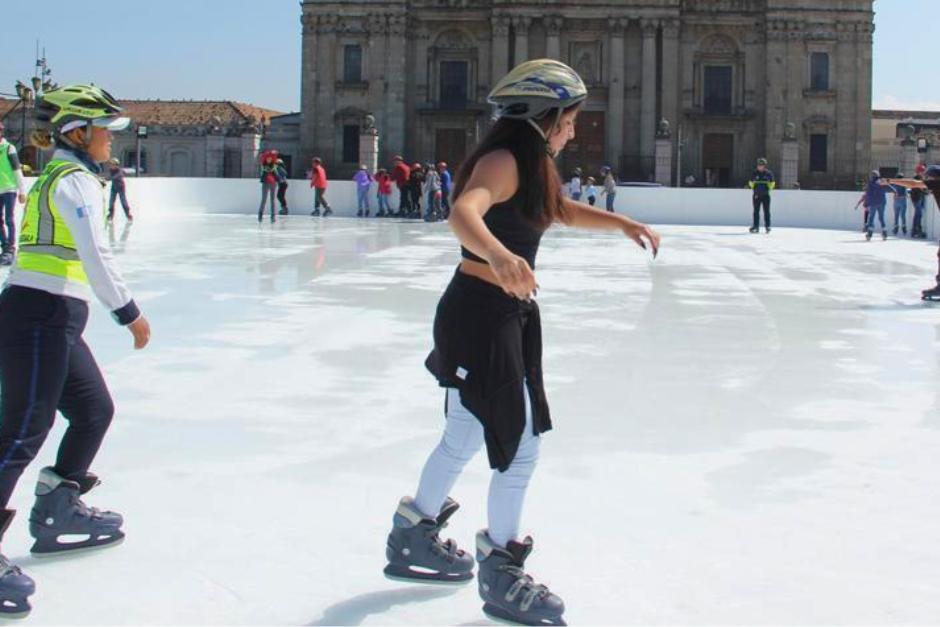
x=902 y=139
x=190 y=138
x=741 y=79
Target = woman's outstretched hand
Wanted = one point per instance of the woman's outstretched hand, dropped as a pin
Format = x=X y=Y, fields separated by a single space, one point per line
x=643 y=236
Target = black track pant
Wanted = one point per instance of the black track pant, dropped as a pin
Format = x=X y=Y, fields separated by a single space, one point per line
x=282 y=195
x=760 y=200
x=45 y=366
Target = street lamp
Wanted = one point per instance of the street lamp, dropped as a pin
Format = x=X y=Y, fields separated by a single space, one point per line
x=141 y=135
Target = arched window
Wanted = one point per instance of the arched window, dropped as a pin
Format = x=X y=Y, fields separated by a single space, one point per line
x=719 y=76
x=453 y=60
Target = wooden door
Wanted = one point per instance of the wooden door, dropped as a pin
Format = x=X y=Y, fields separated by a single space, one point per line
x=717 y=159
x=587 y=149
x=450 y=145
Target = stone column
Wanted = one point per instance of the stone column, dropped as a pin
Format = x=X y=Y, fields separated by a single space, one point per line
x=369 y=147
x=500 y=24
x=378 y=68
x=520 y=24
x=663 y=174
x=908 y=157
x=863 y=76
x=310 y=78
x=789 y=173
x=325 y=138
x=215 y=154
x=775 y=78
x=670 y=95
x=648 y=88
x=553 y=26
x=251 y=148
x=395 y=102
x=422 y=82
x=615 y=92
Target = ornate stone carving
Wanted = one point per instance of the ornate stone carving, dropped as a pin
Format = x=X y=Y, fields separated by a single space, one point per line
x=617 y=25
x=521 y=23
x=553 y=25
x=584 y=59
x=327 y=24
x=454 y=39
x=500 y=25
x=789 y=131
x=671 y=28
x=719 y=44
x=397 y=25
x=663 y=129
x=649 y=27
x=308 y=23
x=377 y=24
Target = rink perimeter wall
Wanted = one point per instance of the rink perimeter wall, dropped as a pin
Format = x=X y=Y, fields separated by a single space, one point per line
x=663 y=205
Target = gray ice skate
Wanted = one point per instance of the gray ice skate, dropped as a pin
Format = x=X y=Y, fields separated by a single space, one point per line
x=15 y=586
x=59 y=511
x=415 y=551
x=508 y=593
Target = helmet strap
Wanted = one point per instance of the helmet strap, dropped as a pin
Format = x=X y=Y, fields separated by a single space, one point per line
x=542 y=134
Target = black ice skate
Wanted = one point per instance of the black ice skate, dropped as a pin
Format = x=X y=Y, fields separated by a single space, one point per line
x=315 y=212
x=933 y=294
x=884 y=235
x=868 y=235
x=508 y=593
x=15 y=586
x=754 y=229
x=59 y=517
x=415 y=551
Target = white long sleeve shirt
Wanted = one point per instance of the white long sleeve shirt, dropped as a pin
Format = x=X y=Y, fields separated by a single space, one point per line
x=79 y=197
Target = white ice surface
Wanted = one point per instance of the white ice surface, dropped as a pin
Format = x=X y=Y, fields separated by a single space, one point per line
x=746 y=429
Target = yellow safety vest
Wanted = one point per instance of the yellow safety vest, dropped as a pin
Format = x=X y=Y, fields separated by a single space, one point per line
x=46 y=245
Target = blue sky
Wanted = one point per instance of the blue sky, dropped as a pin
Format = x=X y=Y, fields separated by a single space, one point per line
x=249 y=50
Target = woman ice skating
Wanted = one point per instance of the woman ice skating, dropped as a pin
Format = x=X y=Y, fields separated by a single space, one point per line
x=318 y=182
x=282 y=185
x=487 y=343
x=900 y=206
x=610 y=187
x=874 y=199
x=268 y=178
x=45 y=364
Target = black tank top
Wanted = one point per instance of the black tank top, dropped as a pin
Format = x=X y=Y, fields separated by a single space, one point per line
x=513 y=230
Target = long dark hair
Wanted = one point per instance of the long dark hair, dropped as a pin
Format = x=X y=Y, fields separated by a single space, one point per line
x=539 y=181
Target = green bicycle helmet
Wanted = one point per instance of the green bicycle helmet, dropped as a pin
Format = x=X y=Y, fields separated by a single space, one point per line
x=74 y=106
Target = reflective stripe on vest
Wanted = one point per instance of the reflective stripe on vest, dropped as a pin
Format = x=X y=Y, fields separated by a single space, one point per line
x=46 y=245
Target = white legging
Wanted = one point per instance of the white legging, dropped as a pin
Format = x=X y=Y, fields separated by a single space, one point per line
x=463 y=438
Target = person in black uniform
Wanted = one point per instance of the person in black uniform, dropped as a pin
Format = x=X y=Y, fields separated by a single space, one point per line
x=488 y=343
x=762 y=182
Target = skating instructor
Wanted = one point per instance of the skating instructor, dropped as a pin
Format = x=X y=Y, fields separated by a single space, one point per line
x=45 y=364
x=488 y=343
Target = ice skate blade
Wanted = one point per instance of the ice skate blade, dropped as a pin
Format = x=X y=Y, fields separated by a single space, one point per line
x=55 y=550
x=501 y=616
x=404 y=575
x=15 y=614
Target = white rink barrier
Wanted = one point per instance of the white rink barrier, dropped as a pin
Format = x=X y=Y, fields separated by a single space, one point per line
x=655 y=205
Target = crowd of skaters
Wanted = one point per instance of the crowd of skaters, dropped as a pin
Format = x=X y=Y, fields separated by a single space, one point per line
x=875 y=201
x=577 y=187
